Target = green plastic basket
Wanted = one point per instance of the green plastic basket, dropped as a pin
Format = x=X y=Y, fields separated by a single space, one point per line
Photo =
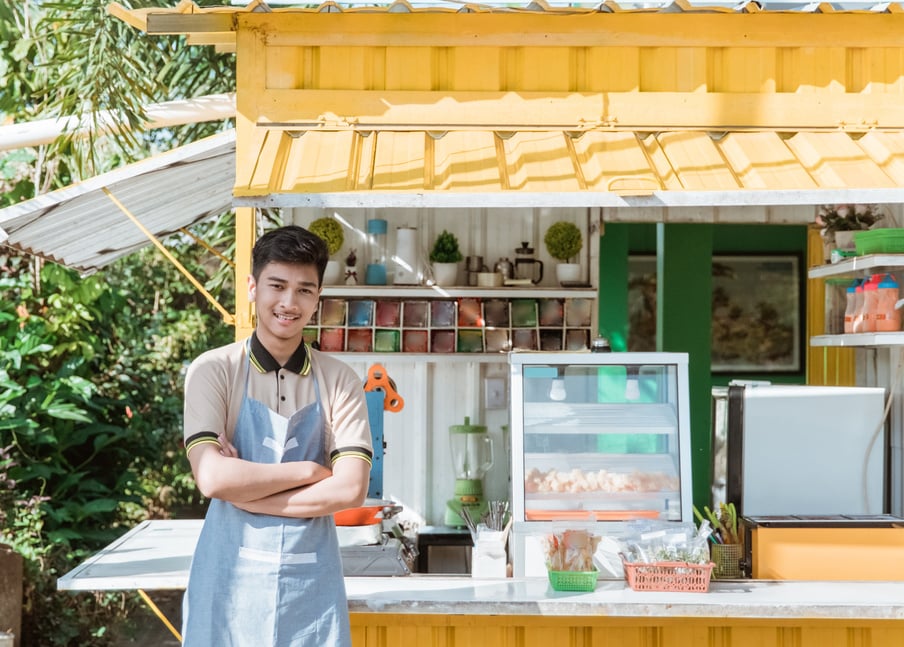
x=573 y=580
x=879 y=241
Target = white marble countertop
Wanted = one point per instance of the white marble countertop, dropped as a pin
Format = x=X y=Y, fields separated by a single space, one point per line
x=155 y=555
x=534 y=596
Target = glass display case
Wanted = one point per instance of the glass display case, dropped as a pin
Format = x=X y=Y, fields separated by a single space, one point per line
x=598 y=439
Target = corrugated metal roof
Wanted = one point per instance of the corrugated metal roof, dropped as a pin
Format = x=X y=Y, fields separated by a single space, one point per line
x=216 y=25
x=555 y=168
x=80 y=226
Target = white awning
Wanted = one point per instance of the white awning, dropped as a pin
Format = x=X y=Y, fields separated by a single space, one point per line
x=81 y=226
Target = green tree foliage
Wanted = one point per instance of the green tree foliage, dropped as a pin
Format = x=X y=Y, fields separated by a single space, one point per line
x=90 y=419
x=91 y=367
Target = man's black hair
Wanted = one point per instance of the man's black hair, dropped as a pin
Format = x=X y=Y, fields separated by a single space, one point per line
x=290 y=244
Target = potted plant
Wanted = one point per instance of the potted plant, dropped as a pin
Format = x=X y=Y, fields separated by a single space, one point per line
x=564 y=242
x=331 y=232
x=839 y=223
x=445 y=257
x=727 y=550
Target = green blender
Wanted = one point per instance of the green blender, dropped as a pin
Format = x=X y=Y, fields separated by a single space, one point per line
x=472 y=457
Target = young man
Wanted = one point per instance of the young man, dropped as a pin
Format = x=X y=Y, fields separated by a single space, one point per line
x=278 y=439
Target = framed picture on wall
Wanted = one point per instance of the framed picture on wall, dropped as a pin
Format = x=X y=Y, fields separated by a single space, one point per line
x=756 y=315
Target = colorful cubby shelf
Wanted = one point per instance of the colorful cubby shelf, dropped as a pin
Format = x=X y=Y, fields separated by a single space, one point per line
x=455 y=325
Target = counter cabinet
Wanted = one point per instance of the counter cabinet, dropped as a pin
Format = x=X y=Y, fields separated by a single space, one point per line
x=461 y=612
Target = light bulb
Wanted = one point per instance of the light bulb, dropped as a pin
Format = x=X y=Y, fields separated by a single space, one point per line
x=557 y=389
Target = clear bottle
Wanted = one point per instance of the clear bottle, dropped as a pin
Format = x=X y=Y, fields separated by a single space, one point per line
x=375 y=273
x=850 y=306
x=888 y=317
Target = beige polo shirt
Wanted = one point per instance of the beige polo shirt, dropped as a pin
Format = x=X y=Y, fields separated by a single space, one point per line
x=215 y=386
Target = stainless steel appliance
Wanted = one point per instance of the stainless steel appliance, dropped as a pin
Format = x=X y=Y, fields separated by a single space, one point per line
x=802 y=450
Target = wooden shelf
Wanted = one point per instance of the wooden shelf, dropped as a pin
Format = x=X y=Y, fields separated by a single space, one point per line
x=857 y=266
x=423 y=292
x=865 y=340
x=423 y=358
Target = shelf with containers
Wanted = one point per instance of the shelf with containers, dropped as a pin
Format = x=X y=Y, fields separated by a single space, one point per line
x=854 y=268
x=598 y=440
x=420 y=321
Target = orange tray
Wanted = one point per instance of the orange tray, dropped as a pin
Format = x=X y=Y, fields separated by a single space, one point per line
x=585 y=515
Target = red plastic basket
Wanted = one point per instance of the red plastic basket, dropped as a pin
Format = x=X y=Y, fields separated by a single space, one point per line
x=668 y=576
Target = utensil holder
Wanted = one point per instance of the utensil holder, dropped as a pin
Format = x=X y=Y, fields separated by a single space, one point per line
x=727 y=558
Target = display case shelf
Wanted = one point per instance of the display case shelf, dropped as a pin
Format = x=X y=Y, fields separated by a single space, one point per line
x=577 y=418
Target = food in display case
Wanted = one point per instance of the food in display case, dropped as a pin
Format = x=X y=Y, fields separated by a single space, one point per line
x=577 y=480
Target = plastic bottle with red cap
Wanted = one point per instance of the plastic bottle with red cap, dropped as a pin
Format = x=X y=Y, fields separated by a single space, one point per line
x=887 y=317
x=870 y=304
x=852 y=304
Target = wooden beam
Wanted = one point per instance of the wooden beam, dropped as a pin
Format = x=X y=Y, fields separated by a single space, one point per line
x=176 y=23
x=542 y=29
x=442 y=110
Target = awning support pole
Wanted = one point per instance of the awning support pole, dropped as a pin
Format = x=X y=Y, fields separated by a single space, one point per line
x=227 y=317
x=210 y=249
x=245 y=235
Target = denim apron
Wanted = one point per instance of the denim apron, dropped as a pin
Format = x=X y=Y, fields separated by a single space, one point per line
x=259 y=580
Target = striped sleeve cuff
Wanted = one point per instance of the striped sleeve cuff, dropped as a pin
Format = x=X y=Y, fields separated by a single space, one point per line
x=200 y=438
x=352 y=452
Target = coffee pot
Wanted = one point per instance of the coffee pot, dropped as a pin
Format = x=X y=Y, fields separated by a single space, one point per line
x=528 y=268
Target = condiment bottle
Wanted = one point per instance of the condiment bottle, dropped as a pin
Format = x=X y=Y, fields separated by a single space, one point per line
x=851 y=305
x=870 y=303
x=888 y=318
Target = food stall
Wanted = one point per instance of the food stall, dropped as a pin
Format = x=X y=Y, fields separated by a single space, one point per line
x=497 y=125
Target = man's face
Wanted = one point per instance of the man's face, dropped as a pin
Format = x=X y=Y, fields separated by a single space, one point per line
x=286 y=297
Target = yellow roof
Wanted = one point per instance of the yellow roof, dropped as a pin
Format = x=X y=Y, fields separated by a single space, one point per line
x=596 y=167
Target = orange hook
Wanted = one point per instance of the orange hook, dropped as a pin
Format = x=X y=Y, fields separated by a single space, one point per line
x=378 y=380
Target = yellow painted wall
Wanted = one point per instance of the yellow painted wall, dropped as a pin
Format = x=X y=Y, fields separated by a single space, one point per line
x=737 y=77
x=825 y=366
x=396 y=630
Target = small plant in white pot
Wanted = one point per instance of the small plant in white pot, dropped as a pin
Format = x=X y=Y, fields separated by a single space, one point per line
x=445 y=257
x=564 y=243
x=331 y=232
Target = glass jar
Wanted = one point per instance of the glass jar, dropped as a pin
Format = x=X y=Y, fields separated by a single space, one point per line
x=375 y=273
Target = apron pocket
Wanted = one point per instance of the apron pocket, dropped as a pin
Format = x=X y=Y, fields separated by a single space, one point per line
x=270 y=557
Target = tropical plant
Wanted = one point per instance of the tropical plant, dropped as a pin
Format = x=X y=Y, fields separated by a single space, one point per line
x=330 y=232
x=563 y=241
x=445 y=249
x=847 y=217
